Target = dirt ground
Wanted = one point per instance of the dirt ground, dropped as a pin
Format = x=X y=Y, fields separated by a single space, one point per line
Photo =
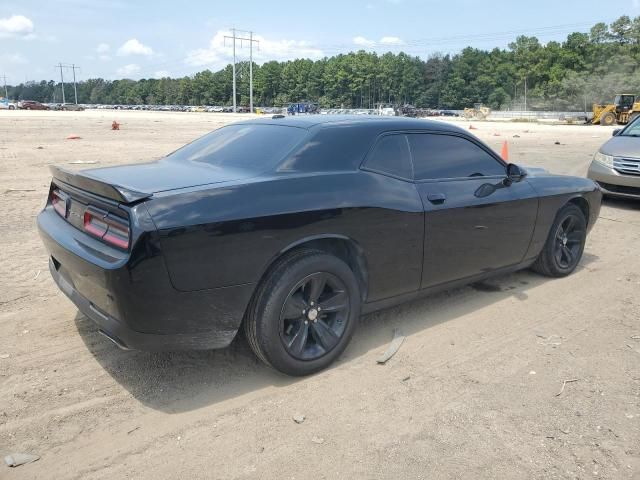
x=474 y=391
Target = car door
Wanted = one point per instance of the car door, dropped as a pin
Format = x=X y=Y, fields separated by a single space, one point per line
x=475 y=222
x=396 y=268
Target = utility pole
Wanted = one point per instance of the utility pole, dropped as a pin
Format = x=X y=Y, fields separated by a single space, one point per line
x=525 y=93
x=62 y=82
x=250 y=72
x=6 y=95
x=234 y=37
x=234 y=70
x=75 y=90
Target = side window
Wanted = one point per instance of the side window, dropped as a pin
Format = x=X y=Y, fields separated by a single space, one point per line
x=391 y=155
x=447 y=156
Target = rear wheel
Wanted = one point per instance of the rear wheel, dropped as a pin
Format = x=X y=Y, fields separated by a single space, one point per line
x=564 y=247
x=608 y=119
x=304 y=313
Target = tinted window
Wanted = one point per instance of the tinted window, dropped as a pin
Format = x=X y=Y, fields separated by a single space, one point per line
x=447 y=156
x=391 y=155
x=329 y=149
x=242 y=146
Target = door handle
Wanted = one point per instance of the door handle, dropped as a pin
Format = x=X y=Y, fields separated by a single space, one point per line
x=436 y=198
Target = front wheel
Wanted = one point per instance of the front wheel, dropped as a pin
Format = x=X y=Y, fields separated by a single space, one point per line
x=303 y=315
x=608 y=119
x=565 y=244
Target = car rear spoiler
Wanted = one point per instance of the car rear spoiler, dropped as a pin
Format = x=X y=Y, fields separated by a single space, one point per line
x=84 y=182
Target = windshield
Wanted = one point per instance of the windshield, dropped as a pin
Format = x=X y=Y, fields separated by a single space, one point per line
x=252 y=147
x=632 y=130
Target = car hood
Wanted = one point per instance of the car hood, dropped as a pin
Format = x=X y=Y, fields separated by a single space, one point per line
x=622 y=147
x=164 y=175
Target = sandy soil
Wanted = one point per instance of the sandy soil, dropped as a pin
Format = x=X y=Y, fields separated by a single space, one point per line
x=472 y=393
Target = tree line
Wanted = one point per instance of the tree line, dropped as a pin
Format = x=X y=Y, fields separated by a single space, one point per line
x=570 y=75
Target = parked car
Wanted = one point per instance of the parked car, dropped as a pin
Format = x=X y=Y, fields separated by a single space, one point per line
x=32 y=105
x=72 y=107
x=291 y=227
x=5 y=104
x=616 y=166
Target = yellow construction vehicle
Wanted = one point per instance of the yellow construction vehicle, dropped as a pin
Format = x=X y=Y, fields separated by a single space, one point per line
x=478 y=112
x=624 y=109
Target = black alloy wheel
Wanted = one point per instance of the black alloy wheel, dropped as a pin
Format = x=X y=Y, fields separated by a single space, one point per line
x=565 y=244
x=569 y=238
x=314 y=316
x=304 y=312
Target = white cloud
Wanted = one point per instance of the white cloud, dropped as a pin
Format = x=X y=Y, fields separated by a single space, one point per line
x=219 y=52
x=363 y=42
x=13 y=58
x=384 y=41
x=128 y=70
x=16 y=26
x=103 y=48
x=134 y=47
x=391 y=41
x=104 y=58
x=161 y=74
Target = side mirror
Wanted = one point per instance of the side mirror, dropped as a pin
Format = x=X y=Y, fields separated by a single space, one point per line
x=514 y=174
x=616 y=132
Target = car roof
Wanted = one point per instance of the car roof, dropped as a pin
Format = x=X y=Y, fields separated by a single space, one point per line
x=377 y=123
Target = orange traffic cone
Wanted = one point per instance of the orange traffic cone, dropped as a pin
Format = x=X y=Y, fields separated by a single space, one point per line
x=505 y=151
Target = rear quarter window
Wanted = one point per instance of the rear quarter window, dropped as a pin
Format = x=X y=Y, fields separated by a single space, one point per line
x=333 y=148
x=390 y=155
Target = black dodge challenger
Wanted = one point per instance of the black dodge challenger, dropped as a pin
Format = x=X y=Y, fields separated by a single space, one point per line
x=291 y=228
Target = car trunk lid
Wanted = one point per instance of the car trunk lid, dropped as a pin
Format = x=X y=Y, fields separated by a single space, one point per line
x=133 y=183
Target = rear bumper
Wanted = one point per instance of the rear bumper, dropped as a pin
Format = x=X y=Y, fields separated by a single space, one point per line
x=613 y=183
x=132 y=300
x=127 y=338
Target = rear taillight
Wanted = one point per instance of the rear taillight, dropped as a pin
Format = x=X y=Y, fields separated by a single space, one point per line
x=59 y=202
x=109 y=228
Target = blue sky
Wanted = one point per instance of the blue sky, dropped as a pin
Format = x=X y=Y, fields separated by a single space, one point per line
x=134 y=39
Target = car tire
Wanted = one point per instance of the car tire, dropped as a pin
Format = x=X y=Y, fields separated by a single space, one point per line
x=302 y=345
x=565 y=244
